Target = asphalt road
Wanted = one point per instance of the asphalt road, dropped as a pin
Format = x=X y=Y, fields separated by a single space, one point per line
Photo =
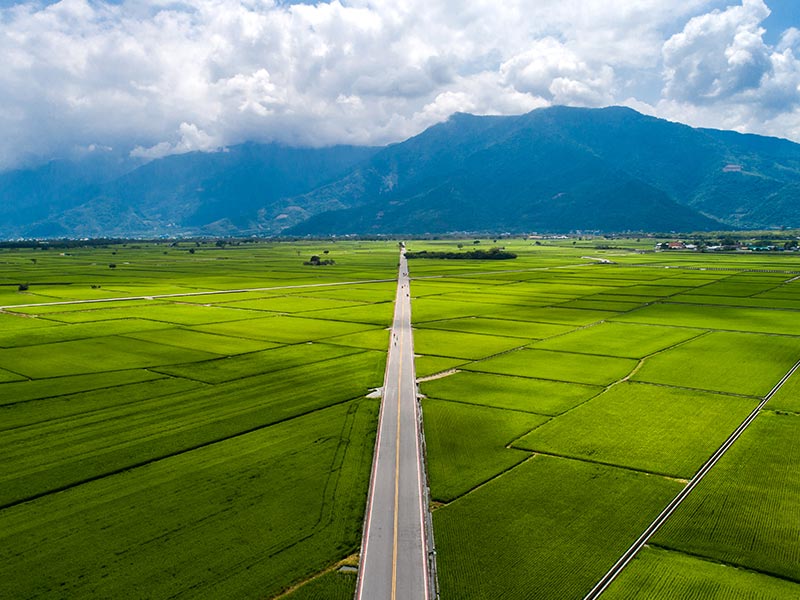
x=394 y=561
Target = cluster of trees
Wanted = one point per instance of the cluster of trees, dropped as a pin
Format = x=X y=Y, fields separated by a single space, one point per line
x=492 y=254
x=316 y=261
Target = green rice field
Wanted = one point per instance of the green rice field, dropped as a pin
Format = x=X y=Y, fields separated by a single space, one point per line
x=206 y=432
x=659 y=573
x=207 y=445
x=639 y=373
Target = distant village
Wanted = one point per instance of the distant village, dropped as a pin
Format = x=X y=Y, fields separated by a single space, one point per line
x=728 y=246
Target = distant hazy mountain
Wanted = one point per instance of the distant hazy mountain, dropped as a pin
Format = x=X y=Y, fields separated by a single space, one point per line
x=237 y=191
x=560 y=169
x=554 y=169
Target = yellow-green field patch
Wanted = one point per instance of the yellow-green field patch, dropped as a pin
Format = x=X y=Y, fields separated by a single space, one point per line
x=550 y=524
x=744 y=512
x=739 y=363
x=198 y=340
x=285 y=329
x=94 y=356
x=500 y=327
x=559 y=366
x=645 y=427
x=466 y=444
x=461 y=345
x=659 y=573
x=514 y=393
x=619 y=339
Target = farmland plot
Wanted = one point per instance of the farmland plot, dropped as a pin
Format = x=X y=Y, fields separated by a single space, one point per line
x=257 y=363
x=25 y=391
x=514 y=393
x=548 y=528
x=563 y=316
x=461 y=345
x=435 y=309
x=717 y=317
x=467 y=444
x=61 y=452
x=744 y=302
x=601 y=304
x=738 y=363
x=93 y=356
x=81 y=331
x=650 y=428
x=334 y=585
x=745 y=511
x=291 y=304
x=177 y=314
x=658 y=573
x=425 y=366
x=197 y=340
x=619 y=339
x=285 y=329
x=241 y=518
x=788 y=397
x=559 y=366
x=500 y=327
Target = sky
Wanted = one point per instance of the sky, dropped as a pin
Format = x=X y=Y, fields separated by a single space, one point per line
x=149 y=78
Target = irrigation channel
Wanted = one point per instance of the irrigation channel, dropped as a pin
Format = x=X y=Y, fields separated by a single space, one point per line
x=397 y=556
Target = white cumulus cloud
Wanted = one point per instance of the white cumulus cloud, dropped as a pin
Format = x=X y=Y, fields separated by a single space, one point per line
x=158 y=77
x=720 y=72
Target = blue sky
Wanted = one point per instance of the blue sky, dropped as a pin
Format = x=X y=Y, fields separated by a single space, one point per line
x=785 y=14
x=156 y=77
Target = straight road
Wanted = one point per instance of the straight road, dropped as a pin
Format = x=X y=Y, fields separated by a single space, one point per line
x=394 y=551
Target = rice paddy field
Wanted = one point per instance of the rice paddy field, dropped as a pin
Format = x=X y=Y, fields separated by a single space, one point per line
x=636 y=372
x=193 y=422
x=213 y=445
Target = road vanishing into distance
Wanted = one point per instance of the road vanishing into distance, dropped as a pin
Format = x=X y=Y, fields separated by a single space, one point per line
x=394 y=549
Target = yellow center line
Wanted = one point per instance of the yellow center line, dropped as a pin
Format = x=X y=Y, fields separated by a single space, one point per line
x=397 y=447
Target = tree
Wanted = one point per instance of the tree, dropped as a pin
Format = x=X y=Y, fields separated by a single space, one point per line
x=326 y=251
x=191 y=250
x=112 y=265
x=23 y=287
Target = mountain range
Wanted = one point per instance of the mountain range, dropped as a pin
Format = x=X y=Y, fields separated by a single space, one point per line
x=555 y=169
